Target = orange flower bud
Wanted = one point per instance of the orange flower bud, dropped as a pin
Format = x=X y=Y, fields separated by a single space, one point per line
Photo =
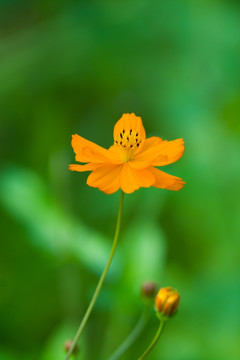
x=167 y=301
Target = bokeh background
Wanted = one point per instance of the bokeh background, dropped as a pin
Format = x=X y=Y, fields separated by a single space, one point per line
x=74 y=67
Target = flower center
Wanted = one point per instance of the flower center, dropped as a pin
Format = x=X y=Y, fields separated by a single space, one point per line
x=129 y=141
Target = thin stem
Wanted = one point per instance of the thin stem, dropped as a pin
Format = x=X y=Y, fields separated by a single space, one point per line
x=101 y=280
x=131 y=337
x=153 y=343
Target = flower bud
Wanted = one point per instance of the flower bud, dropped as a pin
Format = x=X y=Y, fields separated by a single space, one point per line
x=67 y=346
x=166 y=301
x=148 y=290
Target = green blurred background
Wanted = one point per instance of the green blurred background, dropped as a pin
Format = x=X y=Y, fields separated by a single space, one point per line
x=74 y=67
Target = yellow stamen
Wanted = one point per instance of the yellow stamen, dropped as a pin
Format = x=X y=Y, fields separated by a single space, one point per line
x=128 y=140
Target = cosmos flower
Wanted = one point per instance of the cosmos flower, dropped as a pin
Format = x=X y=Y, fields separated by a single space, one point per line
x=131 y=162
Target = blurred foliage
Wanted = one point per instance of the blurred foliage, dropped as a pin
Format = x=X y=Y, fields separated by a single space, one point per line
x=74 y=67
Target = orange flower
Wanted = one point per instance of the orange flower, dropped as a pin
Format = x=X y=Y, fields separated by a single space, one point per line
x=130 y=163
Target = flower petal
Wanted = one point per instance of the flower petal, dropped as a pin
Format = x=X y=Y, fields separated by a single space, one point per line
x=106 y=178
x=117 y=153
x=86 y=167
x=148 y=153
x=130 y=122
x=87 y=151
x=132 y=179
x=166 y=181
x=169 y=151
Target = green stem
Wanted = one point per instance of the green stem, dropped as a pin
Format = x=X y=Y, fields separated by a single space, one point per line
x=131 y=337
x=101 y=280
x=153 y=343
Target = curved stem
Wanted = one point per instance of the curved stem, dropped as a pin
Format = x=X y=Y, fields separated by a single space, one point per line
x=153 y=343
x=131 y=337
x=101 y=280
